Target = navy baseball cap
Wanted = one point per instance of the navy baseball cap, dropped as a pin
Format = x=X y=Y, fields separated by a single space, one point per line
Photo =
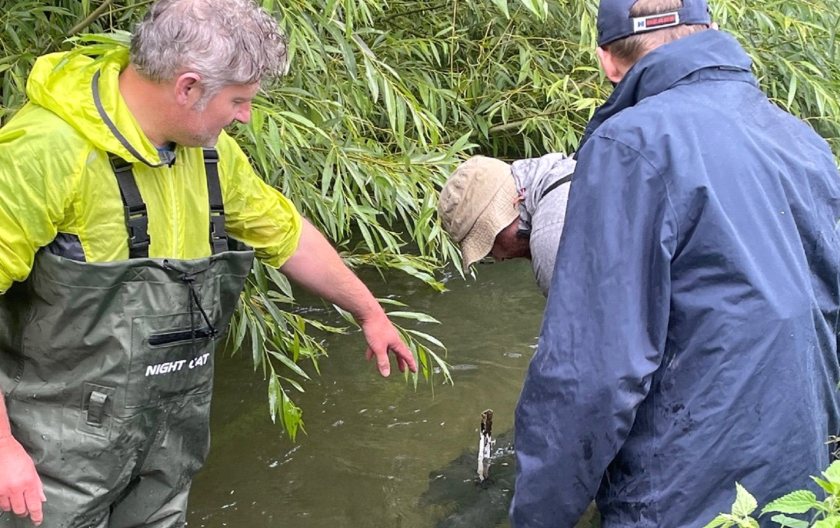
x=615 y=22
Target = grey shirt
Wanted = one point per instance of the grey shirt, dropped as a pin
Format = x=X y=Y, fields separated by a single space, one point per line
x=540 y=213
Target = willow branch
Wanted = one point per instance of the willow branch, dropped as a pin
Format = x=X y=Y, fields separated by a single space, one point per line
x=88 y=20
x=96 y=13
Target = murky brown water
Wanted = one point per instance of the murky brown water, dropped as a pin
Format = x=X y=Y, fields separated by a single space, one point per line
x=377 y=453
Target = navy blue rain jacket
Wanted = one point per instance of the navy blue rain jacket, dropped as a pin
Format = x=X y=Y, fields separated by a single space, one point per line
x=690 y=335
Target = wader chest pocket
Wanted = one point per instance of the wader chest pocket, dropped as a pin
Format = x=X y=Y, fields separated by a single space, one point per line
x=179 y=337
x=171 y=356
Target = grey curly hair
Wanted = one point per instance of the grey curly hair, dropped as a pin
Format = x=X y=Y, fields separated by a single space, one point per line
x=225 y=41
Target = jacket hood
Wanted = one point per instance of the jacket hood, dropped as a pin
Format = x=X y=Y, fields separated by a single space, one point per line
x=84 y=92
x=670 y=64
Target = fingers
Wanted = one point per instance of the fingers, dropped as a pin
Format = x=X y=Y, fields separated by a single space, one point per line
x=412 y=364
x=26 y=504
x=34 y=506
x=404 y=357
x=21 y=490
x=381 y=361
x=18 y=505
x=383 y=364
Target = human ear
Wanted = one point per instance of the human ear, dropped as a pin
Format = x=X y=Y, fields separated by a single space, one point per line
x=611 y=66
x=188 y=88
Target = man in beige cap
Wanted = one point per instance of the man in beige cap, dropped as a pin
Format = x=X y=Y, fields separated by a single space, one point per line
x=508 y=211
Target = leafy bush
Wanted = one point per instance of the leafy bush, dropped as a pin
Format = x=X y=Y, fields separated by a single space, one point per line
x=823 y=513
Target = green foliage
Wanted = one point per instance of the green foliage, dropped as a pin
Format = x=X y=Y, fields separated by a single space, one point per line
x=744 y=505
x=823 y=513
x=30 y=28
x=384 y=98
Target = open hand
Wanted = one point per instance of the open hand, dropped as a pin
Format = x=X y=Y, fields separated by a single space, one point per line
x=382 y=338
x=21 y=491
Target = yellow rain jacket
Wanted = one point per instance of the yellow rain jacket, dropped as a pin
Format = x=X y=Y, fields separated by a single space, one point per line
x=55 y=177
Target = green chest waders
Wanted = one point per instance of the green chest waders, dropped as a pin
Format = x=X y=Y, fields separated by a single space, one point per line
x=108 y=371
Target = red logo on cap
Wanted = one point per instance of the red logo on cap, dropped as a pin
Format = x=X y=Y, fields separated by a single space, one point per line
x=669 y=20
x=651 y=22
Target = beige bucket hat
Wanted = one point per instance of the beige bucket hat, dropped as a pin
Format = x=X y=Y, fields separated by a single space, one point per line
x=477 y=202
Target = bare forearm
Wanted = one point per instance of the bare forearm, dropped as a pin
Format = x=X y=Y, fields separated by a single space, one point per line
x=317 y=267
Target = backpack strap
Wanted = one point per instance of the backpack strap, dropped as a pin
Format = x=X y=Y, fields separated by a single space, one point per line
x=556 y=184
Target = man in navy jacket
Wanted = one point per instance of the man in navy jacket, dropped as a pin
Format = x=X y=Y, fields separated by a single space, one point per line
x=691 y=334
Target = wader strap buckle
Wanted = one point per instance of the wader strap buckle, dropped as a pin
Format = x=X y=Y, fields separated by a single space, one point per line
x=218 y=234
x=96 y=408
x=136 y=216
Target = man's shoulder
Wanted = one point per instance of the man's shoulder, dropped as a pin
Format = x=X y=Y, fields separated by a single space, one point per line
x=234 y=164
x=36 y=136
x=227 y=145
x=648 y=117
x=552 y=206
x=35 y=125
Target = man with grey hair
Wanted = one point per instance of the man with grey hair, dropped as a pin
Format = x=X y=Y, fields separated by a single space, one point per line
x=690 y=337
x=128 y=224
x=508 y=211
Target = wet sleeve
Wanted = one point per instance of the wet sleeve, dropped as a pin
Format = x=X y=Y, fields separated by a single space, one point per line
x=256 y=213
x=602 y=338
x=545 y=236
x=544 y=242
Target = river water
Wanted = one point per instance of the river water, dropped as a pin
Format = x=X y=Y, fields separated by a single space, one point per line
x=377 y=453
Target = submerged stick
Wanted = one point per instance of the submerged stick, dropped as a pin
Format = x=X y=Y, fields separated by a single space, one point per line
x=485 y=445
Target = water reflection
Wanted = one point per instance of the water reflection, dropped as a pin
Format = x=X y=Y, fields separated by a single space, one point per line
x=372 y=444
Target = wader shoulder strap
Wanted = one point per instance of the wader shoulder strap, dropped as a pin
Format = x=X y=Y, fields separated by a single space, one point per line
x=218 y=235
x=137 y=217
x=556 y=184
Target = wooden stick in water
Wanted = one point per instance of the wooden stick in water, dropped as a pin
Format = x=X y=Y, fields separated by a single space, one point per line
x=485 y=445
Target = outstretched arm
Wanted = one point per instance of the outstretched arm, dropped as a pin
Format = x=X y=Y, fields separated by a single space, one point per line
x=20 y=487
x=316 y=266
